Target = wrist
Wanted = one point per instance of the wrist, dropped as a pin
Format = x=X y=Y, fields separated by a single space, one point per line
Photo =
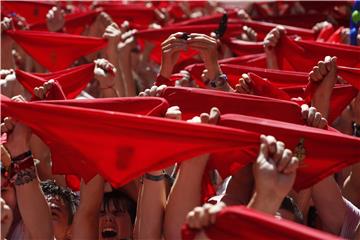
x=18 y=150
x=213 y=68
x=165 y=71
x=155 y=176
x=266 y=203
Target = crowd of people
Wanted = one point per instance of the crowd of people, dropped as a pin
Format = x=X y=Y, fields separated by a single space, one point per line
x=180 y=119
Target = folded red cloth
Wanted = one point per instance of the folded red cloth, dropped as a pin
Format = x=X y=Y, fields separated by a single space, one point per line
x=72 y=80
x=240 y=222
x=75 y=23
x=33 y=11
x=286 y=125
x=304 y=55
x=56 y=51
x=317 y=149
x=139 y=16
x=125 y=146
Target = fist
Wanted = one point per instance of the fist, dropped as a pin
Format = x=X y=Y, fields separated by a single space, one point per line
x=154 y=91
x=272 y=38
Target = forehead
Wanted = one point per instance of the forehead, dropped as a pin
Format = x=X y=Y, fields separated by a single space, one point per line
x=114 y=204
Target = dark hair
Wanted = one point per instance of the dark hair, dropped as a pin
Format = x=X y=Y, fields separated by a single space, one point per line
x=290 y=205
x=71 y=200
x=121 y=201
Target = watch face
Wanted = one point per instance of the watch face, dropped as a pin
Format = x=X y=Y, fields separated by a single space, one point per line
x=213 y=84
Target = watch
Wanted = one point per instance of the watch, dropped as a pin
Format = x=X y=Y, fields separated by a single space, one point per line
x=219 y=81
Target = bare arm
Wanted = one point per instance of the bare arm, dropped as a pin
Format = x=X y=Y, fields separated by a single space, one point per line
x=329 y=202
x=113 y=34
x=151 y=205
x=186 y=192
x=240 y=187
x=7 y=45
x=106 y=73
x=270 y=42
x=352 y=186
x=124 y=50
x=86 y=220
x=326 y=74
x=32 y=205
x=274 y=173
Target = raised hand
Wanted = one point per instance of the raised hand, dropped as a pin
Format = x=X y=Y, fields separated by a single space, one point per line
x=6 y=24
x=320 y=25
x=154 y=91
x=243 y=15
x=245 y=85
x=249 y=34
x=18 y=139
x=207 y=47
x=55 y=19
x=275 y=168
x=272 y=38
x=7 y=75
x=204 y=216
x=312 y=117
x=127 y=43
x=173 y=113
x=40 y=92
x=113 y=34
x=208 y=118
x=186 y=80
x=270 y=42
x=171 y=49
x=105 y=73
x=325 y=74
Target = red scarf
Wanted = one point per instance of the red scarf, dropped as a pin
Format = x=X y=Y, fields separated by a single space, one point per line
x=75 y=23
x=70 y=137
x=33 y=11
x=72 y=80
x=303 y=55
x=251 y=224
x=125 y=146
x=56 y=51
x=322 y=155
x=139 y=17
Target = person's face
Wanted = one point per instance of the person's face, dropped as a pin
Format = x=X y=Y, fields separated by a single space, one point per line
x=8 y=194
x=59 y=217
x=114 y=223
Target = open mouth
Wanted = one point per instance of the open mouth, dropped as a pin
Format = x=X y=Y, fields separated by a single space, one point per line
x=108 y=233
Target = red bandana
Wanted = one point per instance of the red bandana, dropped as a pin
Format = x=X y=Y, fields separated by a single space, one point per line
x=75 y=23
x=251 y=224
x=72 y=80
x=56 y=51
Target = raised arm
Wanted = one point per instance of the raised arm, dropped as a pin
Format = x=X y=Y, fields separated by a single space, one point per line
x=32 y=205
x=124 y=48
x=208 y=49
x=274 y=173
x=152 y=199
x=270 y=42
x=86 y=220
x=325 y=74
x=106 y=73
x=186 y=192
